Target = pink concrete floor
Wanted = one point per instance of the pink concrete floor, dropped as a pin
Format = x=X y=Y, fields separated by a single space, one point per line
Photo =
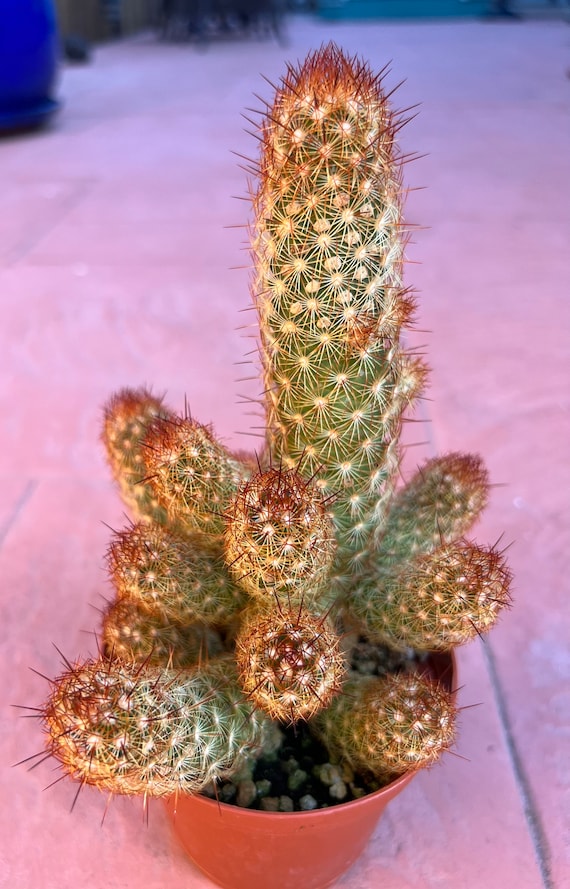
x=115 y=270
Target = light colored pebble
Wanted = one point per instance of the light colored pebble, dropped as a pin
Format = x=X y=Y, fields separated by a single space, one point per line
x=227 y=792
x=272 y=742
x=245 y=773
x=338 y=790
x=247 y=793
x=296 y=779
x=286 y=804
x=269 y=804
x=327 y=773
x=307 y=802
x=366 y=667
x=263 y=787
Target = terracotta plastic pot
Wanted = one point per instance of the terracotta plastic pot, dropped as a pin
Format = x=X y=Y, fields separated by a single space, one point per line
x=248 y=849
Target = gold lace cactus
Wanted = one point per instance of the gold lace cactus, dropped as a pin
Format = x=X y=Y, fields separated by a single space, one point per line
x=290 y=662
x=391 y=725
x=237 y=587
x=279 y=538
x=127 y=415
x=153 y=731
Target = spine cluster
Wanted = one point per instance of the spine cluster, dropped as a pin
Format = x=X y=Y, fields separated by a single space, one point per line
x=181 y=579
x=438 y=600
x=439 y=504
x=290 y=663
x=192 y=475
x=279 y=538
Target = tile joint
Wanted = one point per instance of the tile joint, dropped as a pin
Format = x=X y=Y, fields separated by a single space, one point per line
x=20 y=505
x=531 y=812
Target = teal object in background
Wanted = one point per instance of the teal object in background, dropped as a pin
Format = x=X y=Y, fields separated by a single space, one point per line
x=29 y=62
x=402 y=9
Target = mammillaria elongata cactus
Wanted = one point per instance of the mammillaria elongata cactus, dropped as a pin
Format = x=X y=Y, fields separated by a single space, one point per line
x=237 y=585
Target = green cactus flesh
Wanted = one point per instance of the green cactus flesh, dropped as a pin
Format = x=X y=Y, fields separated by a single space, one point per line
x=183 y=578
x=290 y=662
x=134 y=633
x=439 y=504
x=436 y=601
x=329 y=253
x=192 y=474
x=388 y=726
x=127 y=416
x=279 y=539
x=223 y=555
x=133 y=730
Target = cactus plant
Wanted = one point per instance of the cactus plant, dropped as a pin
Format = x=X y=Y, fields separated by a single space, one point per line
x=151 y=731
x=241 y=588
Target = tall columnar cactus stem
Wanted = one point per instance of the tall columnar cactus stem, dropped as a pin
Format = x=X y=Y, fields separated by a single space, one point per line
x=127 y=416
x=388 y=726
x=183 y=578
x=192 y=475
x=439 y=504
x=131 y=632
x=436 y=601
x=329 y=250
x=133 y=730
x=279 y=538
x=290 y=662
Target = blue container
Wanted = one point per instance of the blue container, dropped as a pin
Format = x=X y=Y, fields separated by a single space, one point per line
x=29 y=62
x=402 y=9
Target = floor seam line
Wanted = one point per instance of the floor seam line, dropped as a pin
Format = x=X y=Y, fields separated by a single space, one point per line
x=530 y=809
x=19 y=251
x=19 y=506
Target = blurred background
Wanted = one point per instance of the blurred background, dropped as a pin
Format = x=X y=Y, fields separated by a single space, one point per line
x=99 y=19
x=123 y=261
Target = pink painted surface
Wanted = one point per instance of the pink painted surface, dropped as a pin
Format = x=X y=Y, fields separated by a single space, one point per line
x=115 y=270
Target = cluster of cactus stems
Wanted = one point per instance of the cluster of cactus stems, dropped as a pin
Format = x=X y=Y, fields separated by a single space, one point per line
x=240 y=583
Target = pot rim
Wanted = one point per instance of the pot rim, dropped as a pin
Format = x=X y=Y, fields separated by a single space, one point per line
x=239 y=811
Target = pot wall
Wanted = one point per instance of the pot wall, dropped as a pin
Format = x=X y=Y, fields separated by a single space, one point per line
x=244 y=849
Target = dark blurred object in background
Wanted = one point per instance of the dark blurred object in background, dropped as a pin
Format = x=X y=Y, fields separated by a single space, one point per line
x=76 y=49
x=112 y=12
x=100 y=20
x=180 y=19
